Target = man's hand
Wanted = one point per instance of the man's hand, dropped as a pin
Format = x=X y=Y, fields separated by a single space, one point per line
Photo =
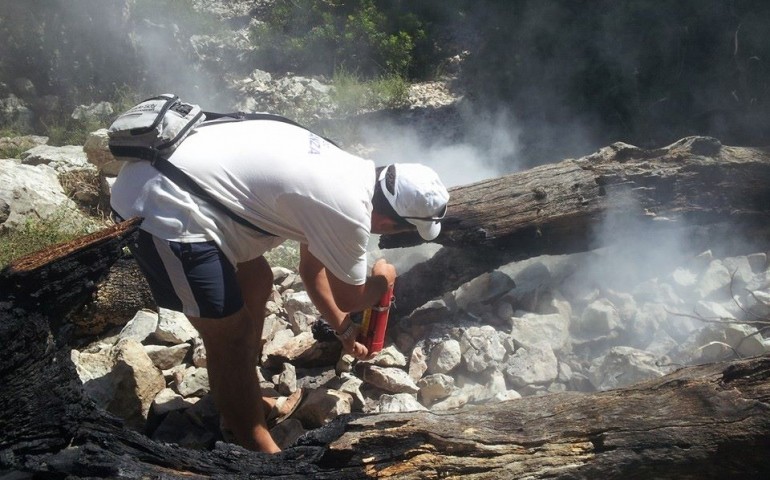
x=328 y=293
x=349 y=344
x=382 y=268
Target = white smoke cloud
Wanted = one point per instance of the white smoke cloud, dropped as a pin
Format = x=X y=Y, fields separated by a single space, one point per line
x=487 y=147
x=165 y=52
x=634 y=249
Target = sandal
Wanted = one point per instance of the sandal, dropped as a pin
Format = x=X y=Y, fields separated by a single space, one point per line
x=284 y=408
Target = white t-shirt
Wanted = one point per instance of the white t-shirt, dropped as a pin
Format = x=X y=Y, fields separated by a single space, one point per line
x=282 y=178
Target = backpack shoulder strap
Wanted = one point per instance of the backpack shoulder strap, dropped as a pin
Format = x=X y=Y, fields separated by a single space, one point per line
x=213 y=118
x=184 y=181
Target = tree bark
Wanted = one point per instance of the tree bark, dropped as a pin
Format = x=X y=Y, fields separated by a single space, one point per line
x=554 y=208
x=701 y=422
x=709 y=421
x=696 y=187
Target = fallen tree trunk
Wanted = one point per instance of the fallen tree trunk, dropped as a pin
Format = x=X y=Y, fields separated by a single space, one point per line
x=702 y=422
x=555 y=208
x=710 y=421
x=560 y=208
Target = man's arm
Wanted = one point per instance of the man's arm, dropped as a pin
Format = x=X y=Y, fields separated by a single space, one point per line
x=334 y=298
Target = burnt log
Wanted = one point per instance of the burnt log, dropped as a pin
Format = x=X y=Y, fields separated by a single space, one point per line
x=554 y=208
x=696 y=186
x=708 y=421
x=57 y=280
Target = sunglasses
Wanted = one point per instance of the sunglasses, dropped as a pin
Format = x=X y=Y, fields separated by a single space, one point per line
x=436 y=218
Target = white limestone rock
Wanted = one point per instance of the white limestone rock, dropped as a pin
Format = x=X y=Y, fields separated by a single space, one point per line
x=445 y=357
x=393 y=380
x=435 y=387
x=195 y=383
x=389 y=357
x=623 y=366
x=418 y=363
x=34 y=193
x=534 y=364
x=714 y=283
x=62 y=159
x=166 y=357
x=599 y=318
x=174 y=327
x=481 y=347
x=167 y=400
x=122 y=380
x=321 y=406
x=399 y=403
x=531 y=328
x=139 y=328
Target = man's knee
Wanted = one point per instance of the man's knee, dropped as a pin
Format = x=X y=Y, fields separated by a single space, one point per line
x=233 y=335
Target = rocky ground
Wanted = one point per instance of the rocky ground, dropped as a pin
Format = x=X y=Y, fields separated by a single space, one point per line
x=548 y=324
x=527 y=328
x=581 y=322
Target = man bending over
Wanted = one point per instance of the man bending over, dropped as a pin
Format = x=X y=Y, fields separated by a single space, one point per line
x=293 y=185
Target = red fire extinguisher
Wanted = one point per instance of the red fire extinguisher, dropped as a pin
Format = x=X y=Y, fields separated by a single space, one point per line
x=375 y=322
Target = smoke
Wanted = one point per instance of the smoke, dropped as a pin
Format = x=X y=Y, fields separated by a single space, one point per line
x=167 y=55
x=466 y=147
x=149 y=47
x=487 y=146
x=634 y=250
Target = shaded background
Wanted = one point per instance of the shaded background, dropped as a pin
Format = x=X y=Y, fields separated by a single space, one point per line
x=571 y=75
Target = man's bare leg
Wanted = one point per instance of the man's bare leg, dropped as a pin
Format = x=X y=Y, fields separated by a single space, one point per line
x=232 y=350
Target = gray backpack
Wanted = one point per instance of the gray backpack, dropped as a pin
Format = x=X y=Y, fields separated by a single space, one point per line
x=154 y=128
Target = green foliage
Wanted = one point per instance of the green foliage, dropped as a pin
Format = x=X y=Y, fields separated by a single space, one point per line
x=125 y=97
x=285 y=255
x=37 y=234
x=393 y=90
x=70 y=131
x=13 y=151
x=371 y=37
x=352 y=94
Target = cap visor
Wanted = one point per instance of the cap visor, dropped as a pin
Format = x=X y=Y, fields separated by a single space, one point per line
x=428 y=230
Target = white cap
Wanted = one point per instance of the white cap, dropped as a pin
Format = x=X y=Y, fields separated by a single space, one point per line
x=419 y=197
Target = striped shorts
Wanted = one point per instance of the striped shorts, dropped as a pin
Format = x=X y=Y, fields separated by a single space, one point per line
x=196 y=279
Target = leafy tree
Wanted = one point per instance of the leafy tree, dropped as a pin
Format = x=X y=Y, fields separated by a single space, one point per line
x=370 y=37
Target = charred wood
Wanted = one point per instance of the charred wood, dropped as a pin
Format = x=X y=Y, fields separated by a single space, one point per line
x=58 y=279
